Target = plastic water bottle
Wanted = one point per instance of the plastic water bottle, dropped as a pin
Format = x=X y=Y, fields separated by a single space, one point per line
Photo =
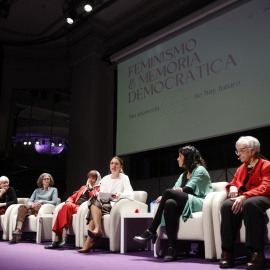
x=152 y=206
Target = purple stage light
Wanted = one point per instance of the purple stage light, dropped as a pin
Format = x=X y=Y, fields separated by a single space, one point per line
x=48 y=149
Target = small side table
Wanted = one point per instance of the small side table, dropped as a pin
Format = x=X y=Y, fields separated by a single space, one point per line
x=124 y=233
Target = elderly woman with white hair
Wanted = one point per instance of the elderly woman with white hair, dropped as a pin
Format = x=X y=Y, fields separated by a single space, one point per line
x=71 y=207
x=7 y=195
x=248 y=200
x=44 y=194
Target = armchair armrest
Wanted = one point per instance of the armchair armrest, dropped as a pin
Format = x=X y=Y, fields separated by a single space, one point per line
x=55 y=213
x=13 y=211
x=6 y=221
x=57 y=209
x=122 y=206
x=208 y=228
x=79 y=224
x=218 y=201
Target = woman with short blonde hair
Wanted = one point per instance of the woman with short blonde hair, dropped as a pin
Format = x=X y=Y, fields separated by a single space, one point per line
x=7 y=195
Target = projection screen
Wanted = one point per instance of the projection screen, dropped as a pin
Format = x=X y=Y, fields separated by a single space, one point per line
x=210 y=79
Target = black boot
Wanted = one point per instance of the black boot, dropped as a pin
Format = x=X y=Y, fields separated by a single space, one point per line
x=227 y=260
x=171 y=255
x=53 y=245
x=63 y=241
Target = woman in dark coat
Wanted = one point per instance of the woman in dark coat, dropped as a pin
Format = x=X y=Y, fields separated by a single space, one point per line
x=7 y=195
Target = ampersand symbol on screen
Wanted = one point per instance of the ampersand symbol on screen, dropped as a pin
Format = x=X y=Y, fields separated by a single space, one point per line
x=131 y=84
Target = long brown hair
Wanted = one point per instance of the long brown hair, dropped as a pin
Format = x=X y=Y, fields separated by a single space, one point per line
x=121 y=163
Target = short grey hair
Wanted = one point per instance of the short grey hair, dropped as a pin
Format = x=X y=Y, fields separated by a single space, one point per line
x=39 y=181
x=250 y=142
x=3 y=179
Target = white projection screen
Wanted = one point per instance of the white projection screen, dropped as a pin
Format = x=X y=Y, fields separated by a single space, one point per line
x=210 y=80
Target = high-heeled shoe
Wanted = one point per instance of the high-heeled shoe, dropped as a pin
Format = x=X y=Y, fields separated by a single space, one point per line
x=96 y=236
x=63 y=241
x=85 y=250
x=146 y=236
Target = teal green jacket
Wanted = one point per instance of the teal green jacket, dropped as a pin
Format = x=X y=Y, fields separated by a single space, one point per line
x=200 y=182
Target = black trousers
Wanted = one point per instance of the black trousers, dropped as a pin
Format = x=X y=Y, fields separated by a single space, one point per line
x=254 y=216
x=172 y=203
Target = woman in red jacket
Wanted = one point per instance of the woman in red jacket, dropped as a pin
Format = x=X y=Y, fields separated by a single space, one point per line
x=71 y=207
x=248 y=200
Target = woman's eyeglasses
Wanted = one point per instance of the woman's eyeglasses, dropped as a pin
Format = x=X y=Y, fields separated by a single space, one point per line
x=241 y=151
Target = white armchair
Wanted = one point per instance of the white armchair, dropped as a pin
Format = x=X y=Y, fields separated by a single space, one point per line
x=5 y=219
x=198 y=228
x=111 y=223
x=241 y=236
x=40 y=224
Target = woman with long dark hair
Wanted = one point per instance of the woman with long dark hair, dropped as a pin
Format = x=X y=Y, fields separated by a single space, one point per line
x=185 y=198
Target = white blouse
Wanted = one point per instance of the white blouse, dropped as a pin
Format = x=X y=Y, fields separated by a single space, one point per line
x=121 y=185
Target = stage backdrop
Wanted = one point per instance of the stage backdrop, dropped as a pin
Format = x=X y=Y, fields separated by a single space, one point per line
x=212 y=79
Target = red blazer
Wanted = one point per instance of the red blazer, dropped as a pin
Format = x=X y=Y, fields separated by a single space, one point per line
x=75 y=197
x=259 y=179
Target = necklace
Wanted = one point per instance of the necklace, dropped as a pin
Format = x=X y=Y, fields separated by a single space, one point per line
x=250 y=168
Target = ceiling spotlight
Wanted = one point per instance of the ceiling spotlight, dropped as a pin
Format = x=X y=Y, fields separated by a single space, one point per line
x=72 y=16
x=53 y=143
x=37 y=142
x=24 y=142
x=29 y=142
x=88 y=6
x=60 y=143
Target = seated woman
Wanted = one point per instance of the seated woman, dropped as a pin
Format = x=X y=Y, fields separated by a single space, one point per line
x=248 y=200
x=71 y=207
x=7 y=195
x=117 y=183
x=185 y=198
x=44 y=194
